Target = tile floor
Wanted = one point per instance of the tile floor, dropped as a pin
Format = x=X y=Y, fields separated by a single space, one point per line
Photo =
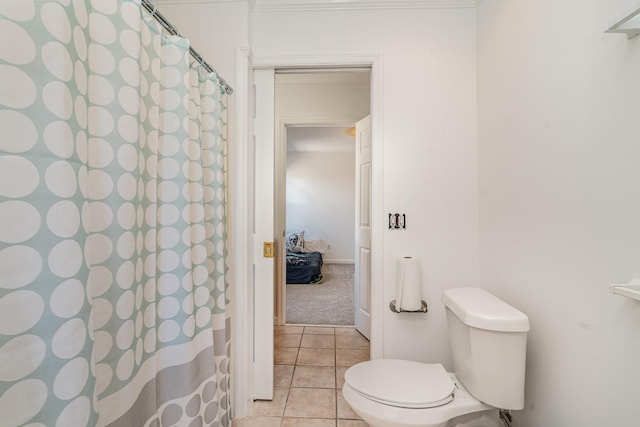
x=310 y=362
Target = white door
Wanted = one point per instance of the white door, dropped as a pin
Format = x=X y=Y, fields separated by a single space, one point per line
x=263 y=268
x=363 y=226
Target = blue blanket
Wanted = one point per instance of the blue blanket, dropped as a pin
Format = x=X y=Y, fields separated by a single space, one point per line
x=304 y=267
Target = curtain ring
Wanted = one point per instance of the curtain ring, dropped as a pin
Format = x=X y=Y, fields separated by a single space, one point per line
x=153 y=12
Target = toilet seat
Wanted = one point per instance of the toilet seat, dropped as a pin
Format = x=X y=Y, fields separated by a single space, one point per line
x=401 y=383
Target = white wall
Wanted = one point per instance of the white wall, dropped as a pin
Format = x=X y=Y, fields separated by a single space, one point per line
x=559 y=177
x=321 y=199
x=429 y=137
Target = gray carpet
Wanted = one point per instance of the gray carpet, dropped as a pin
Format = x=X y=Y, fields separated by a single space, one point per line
x=327 y=303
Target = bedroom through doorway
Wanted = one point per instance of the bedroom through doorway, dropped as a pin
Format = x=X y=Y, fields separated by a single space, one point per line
x=320 y=212
x=316 y=111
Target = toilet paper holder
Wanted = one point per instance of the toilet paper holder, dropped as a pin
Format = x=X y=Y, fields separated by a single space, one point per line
x=423 y=309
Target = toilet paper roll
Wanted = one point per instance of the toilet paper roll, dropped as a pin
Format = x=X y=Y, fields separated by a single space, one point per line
x=408 y=284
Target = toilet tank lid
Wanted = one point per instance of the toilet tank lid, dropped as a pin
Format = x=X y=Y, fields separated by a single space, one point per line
x=479 y=309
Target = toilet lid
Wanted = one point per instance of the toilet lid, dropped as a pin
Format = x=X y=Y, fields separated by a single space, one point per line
x=402 y=383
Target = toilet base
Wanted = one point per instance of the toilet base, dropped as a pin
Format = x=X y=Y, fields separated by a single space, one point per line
x=380 y=415
x=482 y=419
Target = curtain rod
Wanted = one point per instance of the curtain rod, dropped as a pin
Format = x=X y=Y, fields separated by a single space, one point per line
x=151 y=8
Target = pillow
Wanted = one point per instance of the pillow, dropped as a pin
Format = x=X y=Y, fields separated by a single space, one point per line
x=315 y=245
x=295 y=241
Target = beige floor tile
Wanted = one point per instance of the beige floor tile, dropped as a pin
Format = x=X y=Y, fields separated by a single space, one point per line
x=288 y=329
x=311 y=403
x=282 y=375
x=346 y=331
x=340 y=370
x=316 y=356
x=351 y=357
x=344 y=410
x=314 y=377
x=352 y=423
x=308 y=422
x=257 y=422
x=307 y=383
x=318 y=341
x=285 y=356
x=271 y=408
x=353 y=342
x=286 y=340
x=318 y=330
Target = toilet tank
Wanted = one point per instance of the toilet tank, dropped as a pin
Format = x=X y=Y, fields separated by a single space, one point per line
x=489 y=344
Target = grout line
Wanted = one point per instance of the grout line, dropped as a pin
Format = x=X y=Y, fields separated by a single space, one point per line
x=335 y=388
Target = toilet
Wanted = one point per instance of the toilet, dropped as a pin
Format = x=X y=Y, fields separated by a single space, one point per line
x=488 y=342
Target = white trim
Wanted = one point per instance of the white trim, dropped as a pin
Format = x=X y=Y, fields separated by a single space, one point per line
x=333 y=5
x=264 y=267
x=316 y=61
x=377 y=209
x=337 y=122
x=320 y=5
x=375 y=61
x=241 y=250
x=242 y=315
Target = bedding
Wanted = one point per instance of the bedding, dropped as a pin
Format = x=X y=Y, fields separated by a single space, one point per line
x=303 y=268
x=315 y=244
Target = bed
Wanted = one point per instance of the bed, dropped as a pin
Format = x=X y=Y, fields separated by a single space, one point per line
x=304 y=259
x=305 y=267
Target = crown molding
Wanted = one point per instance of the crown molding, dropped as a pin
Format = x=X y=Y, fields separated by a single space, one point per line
x=337 y=5
x=324 y=5
x=359 y=59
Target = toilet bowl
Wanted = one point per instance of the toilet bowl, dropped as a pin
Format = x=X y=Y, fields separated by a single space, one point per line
x=402 y=393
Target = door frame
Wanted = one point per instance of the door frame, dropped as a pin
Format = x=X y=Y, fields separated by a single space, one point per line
x=280 y=197
x=241 y=160
x=263 y=221
x=243 y=307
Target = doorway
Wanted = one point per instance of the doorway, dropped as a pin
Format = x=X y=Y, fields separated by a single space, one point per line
x=319 y=217
x=314 y=110
x=268 y=144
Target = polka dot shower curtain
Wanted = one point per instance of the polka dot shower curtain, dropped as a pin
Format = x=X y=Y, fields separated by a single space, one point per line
x=113 y=296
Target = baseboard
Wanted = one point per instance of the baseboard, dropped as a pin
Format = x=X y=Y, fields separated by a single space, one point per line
x=339 y=261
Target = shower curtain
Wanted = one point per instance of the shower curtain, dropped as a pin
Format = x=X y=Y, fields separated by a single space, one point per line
x=113 y=295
